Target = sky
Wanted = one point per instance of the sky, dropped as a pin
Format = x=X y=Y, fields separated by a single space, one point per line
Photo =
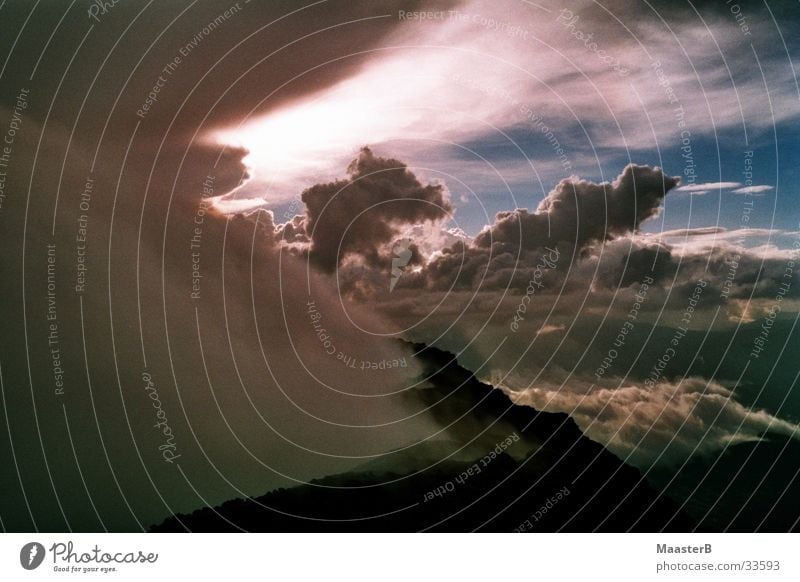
x=246 y=211
x=630 y=133
x=458 y=96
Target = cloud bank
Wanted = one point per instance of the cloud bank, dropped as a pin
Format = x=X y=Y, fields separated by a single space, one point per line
x=601 y=272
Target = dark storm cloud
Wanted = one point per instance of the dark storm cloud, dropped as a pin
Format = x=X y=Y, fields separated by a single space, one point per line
x=235 y=61
x=579 y=211
x=293 y=231
x=362 y=214
x=588 y=229
x=652 y=260
x=574 y=215
x=282 y=39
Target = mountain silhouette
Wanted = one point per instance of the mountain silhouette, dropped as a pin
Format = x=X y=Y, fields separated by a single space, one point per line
x=544 y=476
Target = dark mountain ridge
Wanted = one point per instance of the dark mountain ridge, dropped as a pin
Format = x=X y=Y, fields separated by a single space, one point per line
x=545 y=475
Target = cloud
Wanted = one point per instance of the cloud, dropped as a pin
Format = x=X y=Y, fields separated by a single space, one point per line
x=579 y=211
x=472 y=81
x=687 y=232
x=248 y=408
x=699 y=189
x=505 y=254
x=665 y=424
x=360 y=215
x=465 y=298
x=593 y=254
x=550 y=329
x=752 y=190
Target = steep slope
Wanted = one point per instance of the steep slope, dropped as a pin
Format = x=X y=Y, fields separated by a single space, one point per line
x=544 y=475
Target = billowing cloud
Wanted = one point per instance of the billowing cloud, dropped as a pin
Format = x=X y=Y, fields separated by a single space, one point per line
x=474 y=289
x=359 y=215
x=579 y=211
x=665 y=424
